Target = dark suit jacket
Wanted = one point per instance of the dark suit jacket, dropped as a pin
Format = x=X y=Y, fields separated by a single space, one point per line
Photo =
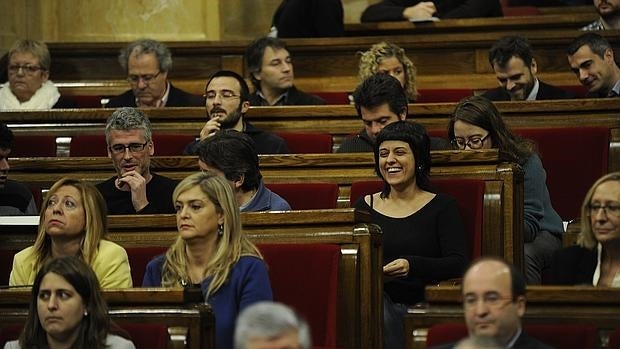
x=295 y=97
x=524 y=341
x=545 y=91
x=176 y=98
x=64 y=102
x=309 y=18
x=573 y=265
x=392 y=10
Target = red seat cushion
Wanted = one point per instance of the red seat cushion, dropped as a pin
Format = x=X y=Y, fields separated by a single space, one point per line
x=139 y=257
x=307 y=143
x=33 y=146
x=147 y=336
x=307 y=196
x=313 y=292
x=443 y=95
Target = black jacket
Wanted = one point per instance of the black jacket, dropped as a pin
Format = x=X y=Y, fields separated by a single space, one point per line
x=573 y=265
x=294 y=97
x=524 y=341
x=545 y=91
x=176 y=98
x=361 y=143
x=309 y=18
x=392 y=10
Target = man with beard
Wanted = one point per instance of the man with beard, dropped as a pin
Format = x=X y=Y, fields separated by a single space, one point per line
x=134 y=189
x=15 y=198
x=146 y=63
x=227 y=100
x=515 y=68
x=609 y=11
x=271 y=71
x=591 y=58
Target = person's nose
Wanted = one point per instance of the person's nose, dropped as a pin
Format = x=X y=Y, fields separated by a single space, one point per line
x=510 y=84
x=142 y=84
x=4 y=165
x=375 y=128
x=601 y=215
x=286 y=66
x=583 y=74
x=127 y=155
x=52 y=303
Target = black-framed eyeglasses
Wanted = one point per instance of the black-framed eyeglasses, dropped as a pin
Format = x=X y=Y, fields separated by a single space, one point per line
x=609 y=209
x=26 y=68
x=474 y=142
x=226 y=94
x=134 y=79
x=133 y=147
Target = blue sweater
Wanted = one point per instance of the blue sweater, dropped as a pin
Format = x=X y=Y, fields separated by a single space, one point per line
x=247 y=283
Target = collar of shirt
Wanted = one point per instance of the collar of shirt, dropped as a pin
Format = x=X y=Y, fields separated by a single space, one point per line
x=512 y=342
x=534 y=92
x=615 y=89
x=279 y=101
x=161 y=102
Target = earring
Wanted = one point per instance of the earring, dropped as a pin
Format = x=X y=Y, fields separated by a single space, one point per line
x=220 y=229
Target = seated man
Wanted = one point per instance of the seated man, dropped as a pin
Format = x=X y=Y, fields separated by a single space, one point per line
x=591 y=58
x=515 y=68
x=15 y=198
x=380 y=100
x=494 y=303
x=146 y=63
x=227 y=102
x=231 y=154
x=400 y=10
x=271 y=71
x=134 y=189
x=271 y=325
x=609 y=12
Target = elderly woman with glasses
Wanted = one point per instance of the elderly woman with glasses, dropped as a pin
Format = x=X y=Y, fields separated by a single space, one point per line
x=477 y=124
x=29 y=86
x=595 y=260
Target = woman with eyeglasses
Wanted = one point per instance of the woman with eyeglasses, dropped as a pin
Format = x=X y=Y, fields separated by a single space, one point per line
x=212 y=252
x=595 y=260
x=29 y=86
x=73 y=222
x=477 y=124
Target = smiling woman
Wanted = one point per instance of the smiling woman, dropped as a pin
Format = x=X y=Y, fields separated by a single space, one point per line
x=73 y=223
x=67 y=310
x=29 y=86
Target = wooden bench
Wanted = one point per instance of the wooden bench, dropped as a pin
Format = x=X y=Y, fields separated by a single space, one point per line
x=190 y=322
x=359 y=289
x=545 y=305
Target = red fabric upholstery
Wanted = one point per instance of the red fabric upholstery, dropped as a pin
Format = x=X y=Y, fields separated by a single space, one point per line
x=139 y=257
x=443 y=95
x=307 y=196
x=147 y=336
x=516 y=11
x=95 y=145
x=305 y=277
x=565 y=336
x=31 y=146
x=87 y=101
x=333 y=97
x=614 y=339
x=307 y=143
x=468 y=193
x=579 y=90
x=574 y=158
x=10 y=333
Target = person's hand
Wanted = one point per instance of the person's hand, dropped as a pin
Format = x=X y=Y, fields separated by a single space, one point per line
x=210 y=128
x=137 y=185
x=396 y=268
x=422 y=10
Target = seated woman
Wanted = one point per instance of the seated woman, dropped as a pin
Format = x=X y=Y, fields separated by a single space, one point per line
x=423 y=235
x=73 y=222
x=596 y=258
x=477 y=124
x=29 y=86
x=388 y=58
x=212 y=252
x=67 y=310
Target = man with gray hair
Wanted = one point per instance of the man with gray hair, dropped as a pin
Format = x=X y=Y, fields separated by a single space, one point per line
x=146 y=63
x=134 y=189
x=271 y=325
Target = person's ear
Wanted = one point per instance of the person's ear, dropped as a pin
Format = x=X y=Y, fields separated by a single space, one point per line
x=238 y=183
x=245 y=106
x=520 y=304
x=609 y=55
x=534 y=66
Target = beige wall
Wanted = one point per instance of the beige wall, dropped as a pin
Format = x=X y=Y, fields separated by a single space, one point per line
x=126 y=20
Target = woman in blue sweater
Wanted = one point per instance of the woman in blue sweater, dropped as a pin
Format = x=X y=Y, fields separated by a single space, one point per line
x=212 y=253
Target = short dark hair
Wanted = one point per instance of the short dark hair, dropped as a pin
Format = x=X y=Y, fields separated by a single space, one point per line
x=595 y=42
x=6 y=137
x=415 y=135
x=245 y=90
x=233 y=153
x=379 y=89
x=518 y=285
x=142 y=46
x=510 y=46
x=254 y=55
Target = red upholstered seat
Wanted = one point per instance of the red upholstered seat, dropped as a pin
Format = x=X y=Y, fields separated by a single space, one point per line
x=307 y=143
x=443 y=95
x=305 y=277
x=83 y=101
x=574 y=158
x=333 y=97
x=95 y=145
x=139 y=257
x=10 y=333
x=565 y=336
x=614 y=339
x=307 y=196
x=33 y=146
x=468 y=193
